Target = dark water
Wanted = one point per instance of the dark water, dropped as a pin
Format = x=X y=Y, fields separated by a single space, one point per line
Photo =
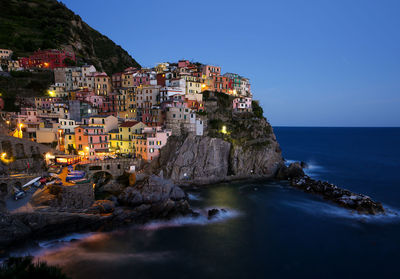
x=270 y=230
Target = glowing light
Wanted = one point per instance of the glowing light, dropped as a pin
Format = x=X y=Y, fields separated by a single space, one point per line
x=3 y=155
x=51 y=93
x=223 y=130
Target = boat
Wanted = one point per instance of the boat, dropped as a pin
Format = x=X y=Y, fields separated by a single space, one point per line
x=31 y=182
x=75 y=176
x=76 y=172
x=80 y=181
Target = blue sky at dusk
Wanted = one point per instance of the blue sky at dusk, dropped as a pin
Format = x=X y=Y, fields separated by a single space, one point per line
x=311 y=63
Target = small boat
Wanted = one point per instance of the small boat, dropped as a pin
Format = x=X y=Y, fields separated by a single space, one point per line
x=80 y=181
x=76 y=172
x=31 y=182
x=50 y=182
x=75 y=176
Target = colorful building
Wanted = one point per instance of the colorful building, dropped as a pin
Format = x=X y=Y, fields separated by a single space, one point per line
x=91 y=141
x=149 y=143
x=48 y=59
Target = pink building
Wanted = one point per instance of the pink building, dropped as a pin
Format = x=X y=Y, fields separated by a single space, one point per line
x=148 y=146
x=242 y=104
x=46 y=102
x=183 y=63
x=92 y=141
x=95 y=101
x=211 y=71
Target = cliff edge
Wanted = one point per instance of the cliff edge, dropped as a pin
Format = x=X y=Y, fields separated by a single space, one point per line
x=236 y=145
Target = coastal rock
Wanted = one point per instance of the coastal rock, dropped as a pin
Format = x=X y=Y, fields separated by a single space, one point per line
x=207 y=160
x=345 y=198
x=295 y=170
x=212 y=213
x=11 y=229
x=200 y=159
x=74 y=197
x=151 y=191
x=102 y=207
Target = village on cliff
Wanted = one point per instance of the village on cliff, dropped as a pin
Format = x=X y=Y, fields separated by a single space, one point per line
x=89 y=115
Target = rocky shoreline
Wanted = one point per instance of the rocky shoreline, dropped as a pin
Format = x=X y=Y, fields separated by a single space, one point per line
x=360 y=203
x=153 y=198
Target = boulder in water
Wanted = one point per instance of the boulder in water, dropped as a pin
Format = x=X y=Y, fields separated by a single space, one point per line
x=212 y=213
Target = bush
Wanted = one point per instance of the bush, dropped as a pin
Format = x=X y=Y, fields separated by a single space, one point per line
x=25 y=268
x=257 y=109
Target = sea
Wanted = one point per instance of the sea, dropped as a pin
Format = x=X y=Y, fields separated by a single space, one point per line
x=269 y=230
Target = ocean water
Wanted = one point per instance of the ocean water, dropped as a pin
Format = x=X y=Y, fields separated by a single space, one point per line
x=270 y=230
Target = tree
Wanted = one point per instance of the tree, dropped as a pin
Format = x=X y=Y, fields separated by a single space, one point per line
x=25 y=268
x=257 y=109
x=69 y=62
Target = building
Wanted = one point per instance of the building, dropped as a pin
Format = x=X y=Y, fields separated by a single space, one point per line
x=149 y=143
x=121 y=139
x=209 y=71
x=79 y=110
x=183 y=119
x=148 y=96
x=48 y=59
x=5 y=54
x=69 y=143
x=91 y=141
x=242 y=104
x=116 y=80
x=102 y=84
x=67 y=125
x=108 y=122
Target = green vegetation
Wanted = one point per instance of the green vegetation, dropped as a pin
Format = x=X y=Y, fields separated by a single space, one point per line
x=24 y=268
x=24 y=84
x=27 y=25
x=257 y=109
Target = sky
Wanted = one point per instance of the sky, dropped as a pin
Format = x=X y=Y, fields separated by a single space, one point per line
x=310 y=62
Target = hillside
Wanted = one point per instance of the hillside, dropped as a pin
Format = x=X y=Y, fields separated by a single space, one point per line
x=26 y=25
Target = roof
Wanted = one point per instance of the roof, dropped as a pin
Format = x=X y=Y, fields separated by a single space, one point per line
x=129 y=123
x=89 y=127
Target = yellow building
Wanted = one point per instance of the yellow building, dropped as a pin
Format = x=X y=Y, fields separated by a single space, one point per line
x=102 y=84
x=127 y=103
x=121 y=140
x=193 y=88
x=127 y=79
x=69 y=142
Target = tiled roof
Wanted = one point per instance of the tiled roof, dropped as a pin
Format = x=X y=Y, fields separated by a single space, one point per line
x=129 y=124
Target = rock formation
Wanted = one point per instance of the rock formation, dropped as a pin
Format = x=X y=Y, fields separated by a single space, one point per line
x=236 y=146
x=342 y=197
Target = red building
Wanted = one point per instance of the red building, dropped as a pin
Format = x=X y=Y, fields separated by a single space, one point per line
x=109 y=105
x=116 y=80
x=160 y=79
x=48 y=59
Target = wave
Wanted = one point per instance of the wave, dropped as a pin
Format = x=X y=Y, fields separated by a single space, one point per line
x=313 y=169
x=59 y=241
x=194 y=197
x=201 y=220
x=325 y=209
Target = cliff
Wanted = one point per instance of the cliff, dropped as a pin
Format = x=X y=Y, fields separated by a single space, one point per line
x=237 y=146
x=27 y=25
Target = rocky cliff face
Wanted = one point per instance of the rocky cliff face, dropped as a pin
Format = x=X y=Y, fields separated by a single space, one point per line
x=205 y=160
x=237 y=146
